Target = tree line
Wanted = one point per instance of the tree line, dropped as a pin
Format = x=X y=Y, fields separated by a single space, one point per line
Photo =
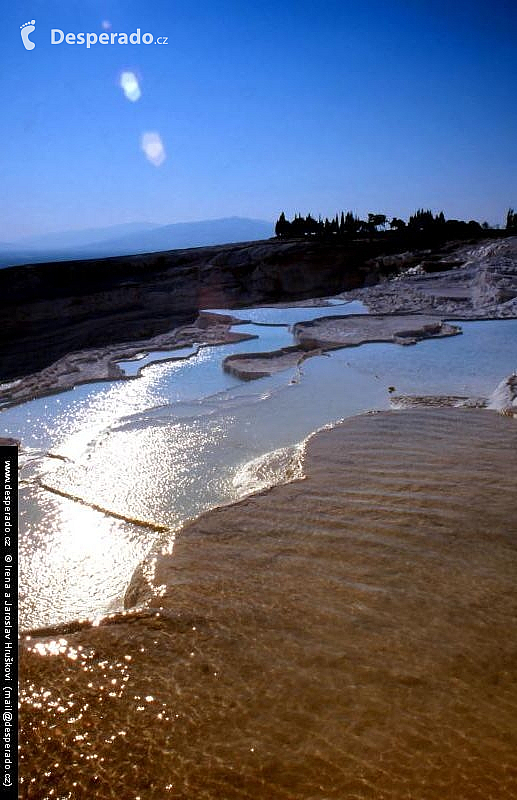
x=349 y=225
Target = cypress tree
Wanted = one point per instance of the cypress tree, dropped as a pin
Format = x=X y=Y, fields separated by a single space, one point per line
x=283 y=226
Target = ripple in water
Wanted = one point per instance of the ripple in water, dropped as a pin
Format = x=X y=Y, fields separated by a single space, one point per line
x=347 y=636
x=160 y=451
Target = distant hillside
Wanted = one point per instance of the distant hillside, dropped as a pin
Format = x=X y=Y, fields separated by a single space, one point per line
x=65 y=240
x=191 y=234
x=132 y=238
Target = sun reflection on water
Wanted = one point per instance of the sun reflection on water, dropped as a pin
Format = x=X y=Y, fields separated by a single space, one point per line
x=76 y=561
x=160 y=449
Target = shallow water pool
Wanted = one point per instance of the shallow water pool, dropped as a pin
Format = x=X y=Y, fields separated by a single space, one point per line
x=185 y=436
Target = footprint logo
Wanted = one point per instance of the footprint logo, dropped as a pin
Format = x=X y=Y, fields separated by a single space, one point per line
x=26 y=30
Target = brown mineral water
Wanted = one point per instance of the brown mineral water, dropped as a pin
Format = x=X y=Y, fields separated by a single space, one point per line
x=350 y=635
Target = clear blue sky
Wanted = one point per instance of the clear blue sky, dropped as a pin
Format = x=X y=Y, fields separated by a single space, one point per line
x=261 y=107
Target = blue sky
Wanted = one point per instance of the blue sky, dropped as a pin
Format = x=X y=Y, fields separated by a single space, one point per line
x=261 y=107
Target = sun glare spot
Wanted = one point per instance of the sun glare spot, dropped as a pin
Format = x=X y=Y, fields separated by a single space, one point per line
x=130 y=86
x=153 y=148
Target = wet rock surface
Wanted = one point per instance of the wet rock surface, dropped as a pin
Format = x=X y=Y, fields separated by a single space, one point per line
x=251 y=366
x=101 y=364
x=350 y=331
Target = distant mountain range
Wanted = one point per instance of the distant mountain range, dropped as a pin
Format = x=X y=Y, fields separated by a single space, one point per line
x=129 y=238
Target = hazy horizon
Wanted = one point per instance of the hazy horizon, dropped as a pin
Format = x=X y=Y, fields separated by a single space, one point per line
x=131 y=239
x=133 y=226
x=252 y=111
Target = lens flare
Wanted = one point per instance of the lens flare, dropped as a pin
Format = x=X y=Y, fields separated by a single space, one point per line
x=153 y=148
x=130 y=86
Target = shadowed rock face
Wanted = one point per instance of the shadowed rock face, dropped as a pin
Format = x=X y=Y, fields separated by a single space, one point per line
x=49 y=310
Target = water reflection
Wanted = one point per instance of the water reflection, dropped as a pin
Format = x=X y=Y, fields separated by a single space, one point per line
x=75 y=562
x=352 y=636
x=133 y=366
x=185 y=436
x=276 y=315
